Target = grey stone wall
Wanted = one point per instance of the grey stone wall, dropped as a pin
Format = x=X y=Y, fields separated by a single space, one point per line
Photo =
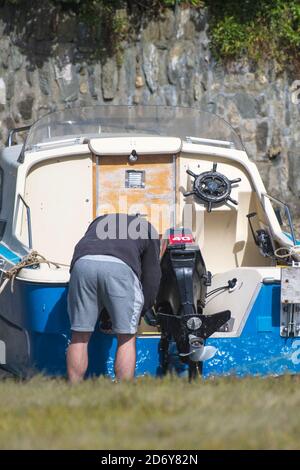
x=48 y=57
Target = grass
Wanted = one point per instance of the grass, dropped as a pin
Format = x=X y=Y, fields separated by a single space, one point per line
x=223 y=413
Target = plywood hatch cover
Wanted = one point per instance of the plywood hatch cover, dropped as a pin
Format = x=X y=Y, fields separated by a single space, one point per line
x=145 y=184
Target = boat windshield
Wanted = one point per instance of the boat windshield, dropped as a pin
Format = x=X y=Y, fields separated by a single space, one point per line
x=74 y=124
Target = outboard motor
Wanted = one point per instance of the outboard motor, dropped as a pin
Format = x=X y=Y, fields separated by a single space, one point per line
x=180 y=302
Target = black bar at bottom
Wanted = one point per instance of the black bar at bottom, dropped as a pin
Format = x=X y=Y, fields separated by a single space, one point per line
x=138 y=458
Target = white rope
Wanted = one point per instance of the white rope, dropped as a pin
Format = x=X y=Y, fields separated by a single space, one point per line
x=289 y=251
x=32 y=259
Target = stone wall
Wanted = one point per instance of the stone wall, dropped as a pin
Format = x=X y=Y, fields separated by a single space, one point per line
x=49 y=57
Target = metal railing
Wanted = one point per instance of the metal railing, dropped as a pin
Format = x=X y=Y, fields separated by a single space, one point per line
x=288 y=214
x=14 y=131
x=29 y=226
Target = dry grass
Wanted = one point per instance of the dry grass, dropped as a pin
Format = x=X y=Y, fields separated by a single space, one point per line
x=224 y=413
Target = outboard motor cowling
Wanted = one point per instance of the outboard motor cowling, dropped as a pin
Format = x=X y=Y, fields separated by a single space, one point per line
x=184 y=279
x=181 y=300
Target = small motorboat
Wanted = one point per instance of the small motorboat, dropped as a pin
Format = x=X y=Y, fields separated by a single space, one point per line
x=188 y=173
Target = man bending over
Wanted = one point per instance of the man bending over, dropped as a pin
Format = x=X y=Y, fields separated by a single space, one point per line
x=115 y=267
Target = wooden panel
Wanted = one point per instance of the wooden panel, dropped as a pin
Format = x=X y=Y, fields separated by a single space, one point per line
x=155 y=200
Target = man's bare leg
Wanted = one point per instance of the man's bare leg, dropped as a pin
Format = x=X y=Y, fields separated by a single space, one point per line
x=125 y=357
x=77 y=356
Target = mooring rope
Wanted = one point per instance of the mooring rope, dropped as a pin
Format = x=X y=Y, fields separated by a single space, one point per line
x=289 y=251
x=32 y=259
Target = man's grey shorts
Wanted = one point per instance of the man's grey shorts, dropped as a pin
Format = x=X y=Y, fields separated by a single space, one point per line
x=99 y=281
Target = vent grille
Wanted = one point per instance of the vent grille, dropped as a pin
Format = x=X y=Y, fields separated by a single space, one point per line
x=134 y=179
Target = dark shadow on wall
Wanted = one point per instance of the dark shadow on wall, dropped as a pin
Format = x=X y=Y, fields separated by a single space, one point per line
x=48 y=28
x=43 y=29
x=53 y=55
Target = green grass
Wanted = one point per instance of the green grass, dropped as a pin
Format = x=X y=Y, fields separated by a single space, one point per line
x=222 y=413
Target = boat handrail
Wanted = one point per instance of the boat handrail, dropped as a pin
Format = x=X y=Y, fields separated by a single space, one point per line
x=29 y=226
x=56 y=143
x=288 y=213
x=14 y=131
x=202 y=141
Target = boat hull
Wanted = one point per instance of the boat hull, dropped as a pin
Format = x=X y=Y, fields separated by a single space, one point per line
x=35 y=330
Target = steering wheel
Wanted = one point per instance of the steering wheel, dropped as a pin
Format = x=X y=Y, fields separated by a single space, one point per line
x=212 y=187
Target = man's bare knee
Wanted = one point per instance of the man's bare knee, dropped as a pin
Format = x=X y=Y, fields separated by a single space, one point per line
x=80 y=336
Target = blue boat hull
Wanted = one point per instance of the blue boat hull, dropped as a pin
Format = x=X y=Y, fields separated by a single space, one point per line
x=35 y=328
